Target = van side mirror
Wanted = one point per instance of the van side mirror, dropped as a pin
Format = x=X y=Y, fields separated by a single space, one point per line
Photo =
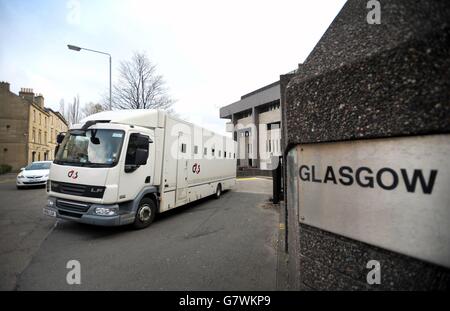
x=60 y=137
x=141 y=156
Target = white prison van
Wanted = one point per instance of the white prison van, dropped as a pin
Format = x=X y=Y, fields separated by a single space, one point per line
x=123 y=167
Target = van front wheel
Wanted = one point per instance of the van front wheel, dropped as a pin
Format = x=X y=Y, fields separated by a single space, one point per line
x=145 y=213
x=218 y=191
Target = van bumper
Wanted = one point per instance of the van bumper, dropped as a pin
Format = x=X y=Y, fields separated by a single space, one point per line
x=83 y=212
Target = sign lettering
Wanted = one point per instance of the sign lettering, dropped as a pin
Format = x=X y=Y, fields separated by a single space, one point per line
x=385 y=178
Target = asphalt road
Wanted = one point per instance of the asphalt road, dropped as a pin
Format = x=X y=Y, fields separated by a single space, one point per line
x=225 y=244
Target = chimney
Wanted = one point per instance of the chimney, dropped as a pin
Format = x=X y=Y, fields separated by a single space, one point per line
x=4 y=86
x=27 y=93
x=39 y=99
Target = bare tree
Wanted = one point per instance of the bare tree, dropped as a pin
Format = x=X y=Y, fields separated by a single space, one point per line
x=62 y=106
x=91 y=108
x=71 y=112
x=139 y=86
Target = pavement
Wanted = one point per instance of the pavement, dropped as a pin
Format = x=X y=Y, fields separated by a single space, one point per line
x=22 y=228
x=261 y=185
x=225 y=244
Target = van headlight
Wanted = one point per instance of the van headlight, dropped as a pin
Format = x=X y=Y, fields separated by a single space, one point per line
x=105 y=211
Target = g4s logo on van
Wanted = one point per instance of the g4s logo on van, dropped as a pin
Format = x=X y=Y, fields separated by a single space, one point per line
x=196 y=168
x=72 y=174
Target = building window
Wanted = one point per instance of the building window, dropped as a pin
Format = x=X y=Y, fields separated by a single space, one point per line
x=225 y=154
x=273 y=126
x=183 y=148
x=220 y=153
x=40 y=137
x=195 y=149
x=213 y=151
x=205 y=151
x=33 y=138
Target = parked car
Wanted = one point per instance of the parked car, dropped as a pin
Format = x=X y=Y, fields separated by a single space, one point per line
x=34 y=174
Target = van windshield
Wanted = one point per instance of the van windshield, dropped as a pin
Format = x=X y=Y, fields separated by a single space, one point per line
x=38 y=166
x=92 y=147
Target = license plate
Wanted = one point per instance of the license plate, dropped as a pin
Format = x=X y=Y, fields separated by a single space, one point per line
x=49 y=212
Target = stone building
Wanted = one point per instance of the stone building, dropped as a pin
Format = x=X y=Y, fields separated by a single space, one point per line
x=28 y=129
x=256 y=126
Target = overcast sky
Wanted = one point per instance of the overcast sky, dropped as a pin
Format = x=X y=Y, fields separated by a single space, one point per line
x=209 y=52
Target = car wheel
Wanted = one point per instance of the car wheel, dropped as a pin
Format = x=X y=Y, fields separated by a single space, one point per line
x=218 y=191
x=145 y=213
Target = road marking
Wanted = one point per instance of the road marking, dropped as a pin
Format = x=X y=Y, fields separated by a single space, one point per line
x=282 y=227
x=249 y=178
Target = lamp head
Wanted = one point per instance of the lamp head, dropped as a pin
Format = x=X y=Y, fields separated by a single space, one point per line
x=74 y=47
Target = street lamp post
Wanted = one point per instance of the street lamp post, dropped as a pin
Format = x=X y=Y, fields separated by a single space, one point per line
x=77 y=48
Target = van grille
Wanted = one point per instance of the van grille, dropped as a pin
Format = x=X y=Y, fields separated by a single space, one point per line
x=74 y=215
x=78 y=189
x=72 y=206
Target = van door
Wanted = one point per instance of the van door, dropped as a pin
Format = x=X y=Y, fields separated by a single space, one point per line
x=182 y=168
x=133 y=179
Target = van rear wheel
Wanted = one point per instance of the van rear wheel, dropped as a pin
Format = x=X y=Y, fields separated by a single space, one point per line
x=218 y=191
x=145 y=213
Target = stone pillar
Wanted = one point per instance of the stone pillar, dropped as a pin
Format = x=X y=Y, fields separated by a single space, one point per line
x=233 y=121
x=255 y=138
x=284 y=80
x=367 y=84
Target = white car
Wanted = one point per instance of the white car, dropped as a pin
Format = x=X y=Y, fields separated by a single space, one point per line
x=34 y=174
